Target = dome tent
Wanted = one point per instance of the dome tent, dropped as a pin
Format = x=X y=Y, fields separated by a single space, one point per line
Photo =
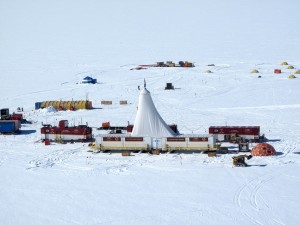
x=254 y=71
x=284 y=64
x=297 y=72
x=89 y=80
x=148 y=122
x=263 y=149
x=291 y=76
x=290 y=67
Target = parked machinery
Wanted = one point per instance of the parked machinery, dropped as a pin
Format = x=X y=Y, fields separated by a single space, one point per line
x=5 y=114
x=10 y=123
x=240 y=160
x=169 y=64
x=244 y=147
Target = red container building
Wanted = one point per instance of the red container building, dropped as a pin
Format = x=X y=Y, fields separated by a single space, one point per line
x=232 y=133
x=277 y=71
x=64 y=133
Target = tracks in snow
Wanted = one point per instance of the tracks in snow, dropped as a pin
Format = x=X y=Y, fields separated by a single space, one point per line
x=56 y=157
x=248 y=198
x=3 y=157
x=251 y=189
x=253 y=205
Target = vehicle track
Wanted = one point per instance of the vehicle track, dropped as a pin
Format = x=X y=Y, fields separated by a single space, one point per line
x=56 y=157
x=255 y=196
x=3 y=157
x=252 y=204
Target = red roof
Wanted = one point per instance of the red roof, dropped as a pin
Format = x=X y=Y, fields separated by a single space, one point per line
x=240 y=130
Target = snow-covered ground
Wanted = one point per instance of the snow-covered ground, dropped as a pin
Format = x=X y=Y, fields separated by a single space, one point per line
x=46 y=48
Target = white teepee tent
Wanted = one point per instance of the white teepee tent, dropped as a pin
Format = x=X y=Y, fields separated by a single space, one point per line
x=148 y=122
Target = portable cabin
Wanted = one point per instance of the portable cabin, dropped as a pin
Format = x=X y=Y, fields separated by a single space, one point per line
x=188 y=64
x=277 y=71
x=160 y=64
x=10 y=126
x=180 y=143
x=233 y=133
x=121 y=142
x=189 y=142
x=170 y=64
x=181 y=63
x=63 y=132
x=38 y=105
x=106 y=124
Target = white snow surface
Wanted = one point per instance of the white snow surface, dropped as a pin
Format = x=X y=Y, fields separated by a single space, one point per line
x=47 y=47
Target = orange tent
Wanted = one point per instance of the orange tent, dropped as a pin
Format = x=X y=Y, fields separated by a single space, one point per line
x=263 y=149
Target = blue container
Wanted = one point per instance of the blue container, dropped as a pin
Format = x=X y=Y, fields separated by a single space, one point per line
x=7 y=126
x=38 y=105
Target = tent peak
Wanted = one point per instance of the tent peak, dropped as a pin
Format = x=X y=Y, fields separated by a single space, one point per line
x=148 y=122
